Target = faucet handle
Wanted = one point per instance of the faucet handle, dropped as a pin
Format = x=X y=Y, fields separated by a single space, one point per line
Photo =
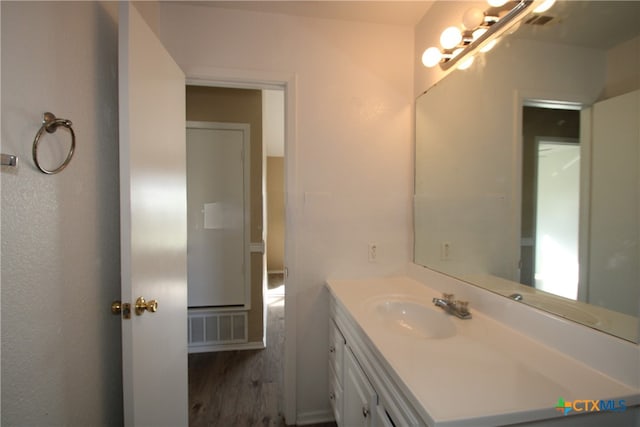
x=463 y=306
x=448 y=298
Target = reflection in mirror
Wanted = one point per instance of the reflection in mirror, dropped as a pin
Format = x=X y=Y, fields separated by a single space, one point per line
x=527 y=175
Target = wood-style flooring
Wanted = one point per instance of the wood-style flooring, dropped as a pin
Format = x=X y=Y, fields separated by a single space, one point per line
x=241 y=388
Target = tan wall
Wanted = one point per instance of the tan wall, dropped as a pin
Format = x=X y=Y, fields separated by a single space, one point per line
x=239 y=106
x=275 y=213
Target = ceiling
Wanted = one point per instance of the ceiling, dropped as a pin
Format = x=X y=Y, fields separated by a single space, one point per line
x=405 y=13
x=594 y=24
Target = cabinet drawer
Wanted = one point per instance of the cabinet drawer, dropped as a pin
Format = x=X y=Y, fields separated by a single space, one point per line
x=383 y=417
x=335 y=396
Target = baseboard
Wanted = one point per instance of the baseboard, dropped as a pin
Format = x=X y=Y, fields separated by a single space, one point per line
x=315 y=417
x=255 y=345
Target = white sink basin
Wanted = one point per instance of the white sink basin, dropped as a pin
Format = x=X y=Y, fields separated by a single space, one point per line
x=410 y=318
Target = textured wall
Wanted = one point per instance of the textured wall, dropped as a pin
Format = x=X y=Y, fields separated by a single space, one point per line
x=60 y=234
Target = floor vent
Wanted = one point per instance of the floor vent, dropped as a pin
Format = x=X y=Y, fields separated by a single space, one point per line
x=209 y=328
x=539 y=20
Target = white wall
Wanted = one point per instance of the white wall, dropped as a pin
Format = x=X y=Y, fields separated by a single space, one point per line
x=60 y=234
x=353 y=165
x=613 y=251
x=623 y=75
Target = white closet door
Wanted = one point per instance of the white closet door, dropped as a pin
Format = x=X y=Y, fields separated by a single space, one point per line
x=218 y=210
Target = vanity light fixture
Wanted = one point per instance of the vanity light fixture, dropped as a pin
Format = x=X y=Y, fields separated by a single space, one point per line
x=544 y=6
x=480 y=32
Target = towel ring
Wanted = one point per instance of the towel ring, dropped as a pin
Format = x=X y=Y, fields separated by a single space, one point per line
x=50 y=124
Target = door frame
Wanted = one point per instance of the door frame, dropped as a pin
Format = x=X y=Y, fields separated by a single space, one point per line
x=261 y=79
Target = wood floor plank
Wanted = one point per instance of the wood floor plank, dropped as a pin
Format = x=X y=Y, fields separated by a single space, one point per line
x=241 y=388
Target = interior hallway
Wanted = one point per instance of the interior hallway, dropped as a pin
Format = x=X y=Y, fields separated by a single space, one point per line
x=242 y=388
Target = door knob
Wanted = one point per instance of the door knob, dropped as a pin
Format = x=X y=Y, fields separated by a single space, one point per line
x=116 y=307
x=142 y=305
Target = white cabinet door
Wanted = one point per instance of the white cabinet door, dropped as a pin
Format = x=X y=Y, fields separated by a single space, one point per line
x=153 y=226
x=336 y=368
x=360 y=399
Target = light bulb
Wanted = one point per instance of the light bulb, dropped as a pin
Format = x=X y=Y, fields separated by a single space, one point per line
x=544 y=6
x=456 y=52
x=496 y=3
x=472 y=18
x=479 y=32
x=489 y=46
x=450 y=37
x=431 y=57
x=465 y=63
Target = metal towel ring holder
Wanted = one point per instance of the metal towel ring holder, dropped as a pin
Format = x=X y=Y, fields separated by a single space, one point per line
x=50 y=124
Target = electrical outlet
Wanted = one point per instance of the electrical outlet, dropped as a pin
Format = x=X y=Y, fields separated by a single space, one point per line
x=445 y=251
x=373 y=252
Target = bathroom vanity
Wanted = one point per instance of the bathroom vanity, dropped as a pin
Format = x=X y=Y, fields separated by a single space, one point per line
x=395 y=359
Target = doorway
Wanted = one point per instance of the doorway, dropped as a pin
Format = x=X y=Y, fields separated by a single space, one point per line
x=218 y=171
x=273 y=133
x=557 y=217
x=243 y=384
x=550 y=211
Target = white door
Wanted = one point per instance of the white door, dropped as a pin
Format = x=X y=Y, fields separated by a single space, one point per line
x=360 y=399
x=218 y=212
x=153 y=226
x=557 y=216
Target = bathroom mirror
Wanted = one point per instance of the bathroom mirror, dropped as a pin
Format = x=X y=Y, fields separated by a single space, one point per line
x=537 y=141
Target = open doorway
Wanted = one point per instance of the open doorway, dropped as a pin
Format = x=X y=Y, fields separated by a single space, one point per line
x=273 y=133
x=550 y=198
x=557 y=216
x=241 y=382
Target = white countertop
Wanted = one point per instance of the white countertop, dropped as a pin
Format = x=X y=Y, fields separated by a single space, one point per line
x=486 y=374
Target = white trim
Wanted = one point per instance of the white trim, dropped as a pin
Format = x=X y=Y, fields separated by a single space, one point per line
x=218 y=309
x=257 y=247
x=254 y=345
x=263 y=79
x=586 y=150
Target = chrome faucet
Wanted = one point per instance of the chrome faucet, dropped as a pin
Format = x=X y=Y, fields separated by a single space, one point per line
x=516 y=297
x=457 y=308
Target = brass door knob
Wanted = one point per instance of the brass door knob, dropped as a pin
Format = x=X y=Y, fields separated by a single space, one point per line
x=116 y=307
x=142 y=305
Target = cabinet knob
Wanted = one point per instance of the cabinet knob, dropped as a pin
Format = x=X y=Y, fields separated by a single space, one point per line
x=365 y=411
